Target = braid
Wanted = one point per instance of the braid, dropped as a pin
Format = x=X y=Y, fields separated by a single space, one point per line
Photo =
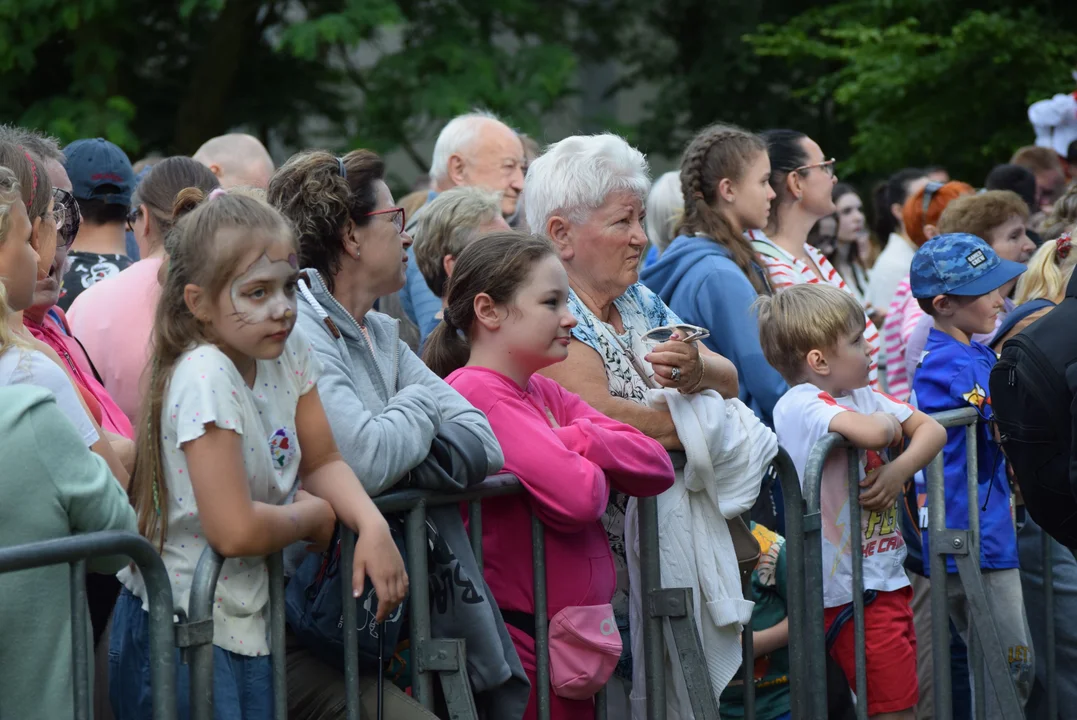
x=717 y=152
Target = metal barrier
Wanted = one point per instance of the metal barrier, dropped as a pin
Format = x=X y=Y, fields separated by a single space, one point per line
x=807 y=643
x=75 y=551
x=446 y=657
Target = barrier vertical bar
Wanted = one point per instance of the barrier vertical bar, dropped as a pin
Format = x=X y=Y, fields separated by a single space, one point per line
x=278 y=653
x=651 y=579
x=542 y=647
x=747 y=642
x=794 y=551
x=940 y=609
x=351 y=624
x=1049 y=613
x=420 y=604
x=200 y=609
x=474 y=518
x=600 y=705
x=972 y=489
x=80 y=674
x=857 y=551
x=813 y=576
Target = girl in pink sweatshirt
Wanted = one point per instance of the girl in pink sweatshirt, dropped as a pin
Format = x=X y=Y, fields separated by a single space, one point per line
x=506 y=318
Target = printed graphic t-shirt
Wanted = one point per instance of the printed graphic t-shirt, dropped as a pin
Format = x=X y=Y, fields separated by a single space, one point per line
x=801 y=418
x=87 y=268
x=206 y=388
x=954 y=375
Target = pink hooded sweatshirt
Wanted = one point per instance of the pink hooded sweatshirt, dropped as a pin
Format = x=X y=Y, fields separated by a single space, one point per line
x=567 y=466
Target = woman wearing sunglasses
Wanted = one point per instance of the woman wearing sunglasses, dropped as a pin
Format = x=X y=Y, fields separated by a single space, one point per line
x=388 y=411
x=114 y=318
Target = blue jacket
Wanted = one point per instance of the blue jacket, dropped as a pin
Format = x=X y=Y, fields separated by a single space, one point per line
x=954 y=375
x=699 y=281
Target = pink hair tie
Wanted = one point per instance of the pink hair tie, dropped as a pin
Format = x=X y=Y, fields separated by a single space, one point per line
x=217 y=192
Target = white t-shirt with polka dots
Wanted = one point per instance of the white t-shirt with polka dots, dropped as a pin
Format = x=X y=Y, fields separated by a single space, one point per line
x=206 y=388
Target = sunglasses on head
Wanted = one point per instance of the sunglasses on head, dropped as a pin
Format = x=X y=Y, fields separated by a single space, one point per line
x=68 y=218
x=929 y=194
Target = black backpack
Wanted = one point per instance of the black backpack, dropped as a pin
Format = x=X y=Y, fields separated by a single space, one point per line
x=1033 y=389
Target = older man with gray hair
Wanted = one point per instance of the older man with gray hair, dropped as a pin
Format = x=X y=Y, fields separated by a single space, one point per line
x=473 y=150
x=237 y=159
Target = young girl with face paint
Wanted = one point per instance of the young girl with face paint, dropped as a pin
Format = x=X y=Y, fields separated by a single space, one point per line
x=231 y=423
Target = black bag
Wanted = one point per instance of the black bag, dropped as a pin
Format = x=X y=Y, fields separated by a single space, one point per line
x=314 y=608
x=1032 y=391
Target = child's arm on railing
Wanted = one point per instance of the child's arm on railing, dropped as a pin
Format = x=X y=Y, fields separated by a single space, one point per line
x=926 y=440
x=870 y=432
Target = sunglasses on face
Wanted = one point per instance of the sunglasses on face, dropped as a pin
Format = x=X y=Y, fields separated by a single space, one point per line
x=65 y=211
x=132 y=218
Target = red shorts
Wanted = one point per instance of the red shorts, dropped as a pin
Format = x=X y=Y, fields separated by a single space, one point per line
x=890 y=649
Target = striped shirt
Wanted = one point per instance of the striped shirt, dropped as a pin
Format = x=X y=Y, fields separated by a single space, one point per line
x=901 y=319
x=785 y=270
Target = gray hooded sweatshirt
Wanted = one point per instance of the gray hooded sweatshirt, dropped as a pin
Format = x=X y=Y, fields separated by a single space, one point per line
x=385 y=408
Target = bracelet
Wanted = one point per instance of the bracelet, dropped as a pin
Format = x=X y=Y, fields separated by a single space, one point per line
x=702 y=374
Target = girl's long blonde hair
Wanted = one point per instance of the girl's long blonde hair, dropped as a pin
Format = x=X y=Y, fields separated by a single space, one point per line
x=201 y=254
x=10 y=193
x=1049 y=272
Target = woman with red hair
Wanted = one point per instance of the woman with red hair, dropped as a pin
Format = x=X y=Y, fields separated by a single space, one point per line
x=920 y=214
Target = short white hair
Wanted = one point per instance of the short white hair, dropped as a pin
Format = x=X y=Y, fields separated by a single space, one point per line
x=577 y=174
x=665 y=208
x=456 y=137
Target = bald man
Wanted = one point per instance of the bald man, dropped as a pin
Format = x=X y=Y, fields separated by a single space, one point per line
x=237 y=159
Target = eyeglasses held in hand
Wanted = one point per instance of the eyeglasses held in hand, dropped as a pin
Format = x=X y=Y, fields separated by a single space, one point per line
x=397 y=216
x=685 y=333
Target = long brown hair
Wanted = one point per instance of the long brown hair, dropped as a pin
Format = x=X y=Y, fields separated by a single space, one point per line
x=497 y=264
x=199 y=254
x=719 y=151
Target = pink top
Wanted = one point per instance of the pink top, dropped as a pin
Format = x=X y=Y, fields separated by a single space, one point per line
x=56 y=335
x=901 y=319
x=567 y=466
x=786 y=270
x=114 y=320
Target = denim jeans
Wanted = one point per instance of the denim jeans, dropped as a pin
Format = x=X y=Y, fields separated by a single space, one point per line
x=242 y=686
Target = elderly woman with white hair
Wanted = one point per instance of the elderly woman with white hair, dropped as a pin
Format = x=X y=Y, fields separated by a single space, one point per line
x=587 y=195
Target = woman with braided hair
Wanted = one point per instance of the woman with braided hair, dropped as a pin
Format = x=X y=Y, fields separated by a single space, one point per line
x=710 y=275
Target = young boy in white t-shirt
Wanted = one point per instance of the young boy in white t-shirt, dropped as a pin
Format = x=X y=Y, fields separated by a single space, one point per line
x=814 y=336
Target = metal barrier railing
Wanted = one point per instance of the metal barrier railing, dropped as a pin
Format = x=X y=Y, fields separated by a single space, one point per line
x=808 y=643
x=447 y=656
x=75 y=551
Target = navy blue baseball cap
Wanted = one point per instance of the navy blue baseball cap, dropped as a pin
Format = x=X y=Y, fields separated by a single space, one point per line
x=99 y=170
x=959 y=264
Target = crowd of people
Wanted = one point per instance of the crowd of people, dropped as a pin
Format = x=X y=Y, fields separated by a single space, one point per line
x=216 y=352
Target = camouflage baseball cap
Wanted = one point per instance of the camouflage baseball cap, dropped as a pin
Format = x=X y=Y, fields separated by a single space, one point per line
x=959 y=264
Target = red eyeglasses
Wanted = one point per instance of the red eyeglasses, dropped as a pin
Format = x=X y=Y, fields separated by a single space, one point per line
x=397 y=216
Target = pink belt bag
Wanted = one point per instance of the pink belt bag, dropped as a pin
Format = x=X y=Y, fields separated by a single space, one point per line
x=585 y=646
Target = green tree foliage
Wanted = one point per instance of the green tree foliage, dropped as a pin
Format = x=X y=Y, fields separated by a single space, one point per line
x=163 y=76
x=924 y=82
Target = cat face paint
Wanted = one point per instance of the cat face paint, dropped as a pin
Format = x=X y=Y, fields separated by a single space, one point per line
x=265 y=291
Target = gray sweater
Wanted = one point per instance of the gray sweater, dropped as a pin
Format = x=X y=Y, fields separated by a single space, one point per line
x=386 y=407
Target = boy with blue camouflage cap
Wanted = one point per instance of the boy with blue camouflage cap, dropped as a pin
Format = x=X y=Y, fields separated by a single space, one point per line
x=956 y=279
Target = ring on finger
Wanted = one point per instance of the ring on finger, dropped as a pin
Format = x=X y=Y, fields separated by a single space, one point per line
x=675 y=374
